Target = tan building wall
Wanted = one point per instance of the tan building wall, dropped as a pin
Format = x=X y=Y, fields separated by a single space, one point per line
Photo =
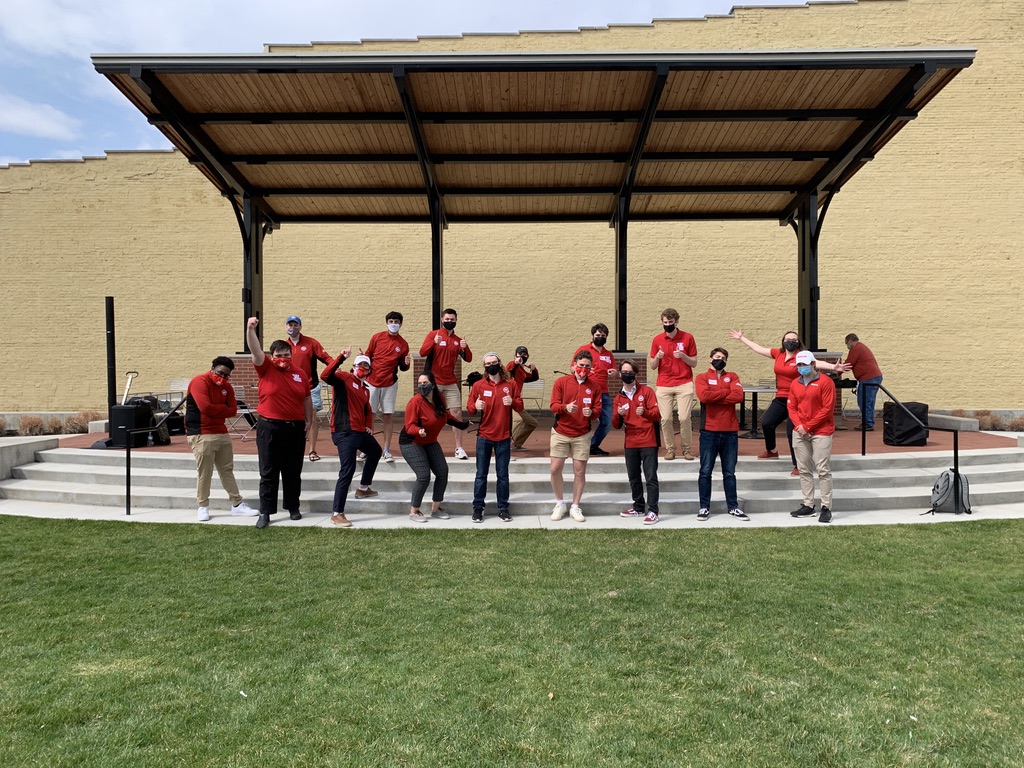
x=919 y=253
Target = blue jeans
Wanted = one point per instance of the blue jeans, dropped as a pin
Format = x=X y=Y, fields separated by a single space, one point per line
x=713 y=445
x=604 y=423
x=502 y=450
x=866 y=399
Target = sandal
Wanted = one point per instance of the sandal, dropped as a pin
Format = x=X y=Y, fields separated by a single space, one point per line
x=314 y=456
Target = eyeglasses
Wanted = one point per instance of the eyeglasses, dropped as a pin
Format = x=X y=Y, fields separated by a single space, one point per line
x=223 y=374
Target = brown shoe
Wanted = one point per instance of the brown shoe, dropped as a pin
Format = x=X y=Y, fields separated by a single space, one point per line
x=367 y=494
x=341 y=520
x=687 y=455
x=670 y=455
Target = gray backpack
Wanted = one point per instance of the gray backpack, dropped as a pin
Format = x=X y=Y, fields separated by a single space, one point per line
x=943 y=498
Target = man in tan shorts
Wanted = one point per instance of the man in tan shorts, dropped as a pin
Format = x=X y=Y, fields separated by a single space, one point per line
x=442 y=348
x=576 y=403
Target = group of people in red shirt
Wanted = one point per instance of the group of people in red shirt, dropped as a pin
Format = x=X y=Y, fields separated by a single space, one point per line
x=290 y=394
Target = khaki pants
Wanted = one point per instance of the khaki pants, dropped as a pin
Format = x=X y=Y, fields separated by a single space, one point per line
x=214 y=452
x=680 y=397
x=814 y=457
x=522 y=427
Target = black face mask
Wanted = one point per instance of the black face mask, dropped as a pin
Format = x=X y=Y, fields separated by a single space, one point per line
x=669 y=328
x=600 y=340
x=493 y=369
x=790 y=345
x=448 y=325
x=628 y=377
x=425 y=389
x=718 y=365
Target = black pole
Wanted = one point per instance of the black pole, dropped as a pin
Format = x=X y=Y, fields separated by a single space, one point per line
x=111 y=367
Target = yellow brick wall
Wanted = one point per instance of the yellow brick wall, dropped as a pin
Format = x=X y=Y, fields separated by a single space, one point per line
x=919 y=253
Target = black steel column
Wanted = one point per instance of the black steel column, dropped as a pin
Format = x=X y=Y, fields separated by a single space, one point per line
x=111 y=366
x=808 y=291
x=621 y=224
x=252 y=224
x=436 y=260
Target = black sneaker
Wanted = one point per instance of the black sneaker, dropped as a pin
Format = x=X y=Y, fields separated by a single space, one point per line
x=703 y=513
x=263 y=521
x=478 y=515
x=804 y=511
x=825 y=516
x=505 y=515
x=597 y=450
x=294 y=514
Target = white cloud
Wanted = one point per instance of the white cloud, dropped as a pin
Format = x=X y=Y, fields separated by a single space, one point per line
x=28 y=118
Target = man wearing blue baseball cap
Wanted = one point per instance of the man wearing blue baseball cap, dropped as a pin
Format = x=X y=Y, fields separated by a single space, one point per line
x=305 y=352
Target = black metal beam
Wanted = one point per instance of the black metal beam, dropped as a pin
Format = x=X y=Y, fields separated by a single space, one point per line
x=706 y=189
x=808 y=290
x=430 y=184
x=325 y=159
x=639 y=141
x=251 y=221
x=437 y=225
x=771 y=115
x=529 y=218
x=621 y=224
x=859 y=144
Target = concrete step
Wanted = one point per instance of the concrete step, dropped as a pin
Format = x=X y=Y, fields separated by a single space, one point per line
x=533 y=478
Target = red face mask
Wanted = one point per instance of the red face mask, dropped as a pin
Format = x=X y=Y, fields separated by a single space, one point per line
x=581 y=372
x=362 y=373
x=284 y=363
x=220 y=381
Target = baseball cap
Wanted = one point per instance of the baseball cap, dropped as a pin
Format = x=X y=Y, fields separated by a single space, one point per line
x=294 y=319
x=360 y=359
x=522 y=351
x=804 y=357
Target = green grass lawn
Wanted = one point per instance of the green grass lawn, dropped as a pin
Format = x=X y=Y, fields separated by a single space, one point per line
x=132 y=645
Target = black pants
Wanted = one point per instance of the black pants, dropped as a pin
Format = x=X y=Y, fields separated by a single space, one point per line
x=775 y=414
x=281 y=446
x=646 y=458
x=349 y=443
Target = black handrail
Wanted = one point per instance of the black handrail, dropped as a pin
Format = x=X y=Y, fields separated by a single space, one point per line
x=956 y=440
x=128 y=453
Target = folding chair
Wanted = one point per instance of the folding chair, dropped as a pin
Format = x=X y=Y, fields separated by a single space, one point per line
x=533 y=392
x=245 y=420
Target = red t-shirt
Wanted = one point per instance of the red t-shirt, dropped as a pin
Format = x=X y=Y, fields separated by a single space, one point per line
x=443 y=355
x=419 y=413
x=496 y=423
x=282 y=394
x=604 y=361
x=863 y=361
x=785 y=372
x=644 y=430
x=811 y=405
x=305 y=352
x=718 y=394
x=207 y=406
x=586 y=395
x=673 y=371
x=387 y=354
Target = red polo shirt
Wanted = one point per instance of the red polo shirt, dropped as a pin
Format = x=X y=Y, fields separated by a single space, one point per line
x=586 y=395
x=496 y=423
x=305 y=352
x=785 y=372
x=863 y=361
x=604 y=361
x=673 y=371
x=442 y=355
x=282 y=393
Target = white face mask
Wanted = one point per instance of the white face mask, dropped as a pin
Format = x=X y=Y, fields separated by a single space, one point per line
x=393 y=327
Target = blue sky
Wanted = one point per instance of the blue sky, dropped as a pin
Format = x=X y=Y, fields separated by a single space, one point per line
x=53 y=105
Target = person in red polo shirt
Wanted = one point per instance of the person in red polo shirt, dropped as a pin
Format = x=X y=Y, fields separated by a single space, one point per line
x=286 y=412
x=351 y=430
x=576 y=403
x=673 y=355
x=603 y=369
x=861 y=361
x=209 y=403
x=719 y=391
x=812 y=400
x=523 y=423
x=636 y=409
x=389 y=354
x=305 y=352
x=442 y=349
x=495 y=396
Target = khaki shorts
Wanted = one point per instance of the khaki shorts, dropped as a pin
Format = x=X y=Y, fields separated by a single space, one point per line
x=576 y=448
x=382 y=399
x=452 y=395
x=315 y=394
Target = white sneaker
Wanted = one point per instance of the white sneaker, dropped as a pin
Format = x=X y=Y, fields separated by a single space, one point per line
x=460 y=453
x=440 y=514
x=388 y=458
x=360 y=456
x=203 y=515
x=559 y=511
x=577 y=514
x=244 y=509
x=417 y=517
